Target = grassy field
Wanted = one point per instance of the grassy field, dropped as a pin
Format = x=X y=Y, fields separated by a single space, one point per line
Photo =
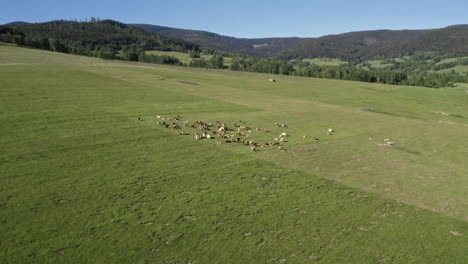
x=326 y=61
x=450 y=60
x=83 y=181
x=379 y=64
x=463 y=69
x=185 y=57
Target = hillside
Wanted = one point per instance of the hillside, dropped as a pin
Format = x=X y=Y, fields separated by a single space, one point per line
x=451 y=40
x=86 y=37
x=261 y=47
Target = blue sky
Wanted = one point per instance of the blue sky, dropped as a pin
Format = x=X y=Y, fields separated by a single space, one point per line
x=252 y=18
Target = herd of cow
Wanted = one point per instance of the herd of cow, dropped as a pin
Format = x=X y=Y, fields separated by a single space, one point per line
x=237 y=133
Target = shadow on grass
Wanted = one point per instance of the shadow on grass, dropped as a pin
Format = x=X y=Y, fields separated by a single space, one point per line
x=407 y=150
x=391 y=114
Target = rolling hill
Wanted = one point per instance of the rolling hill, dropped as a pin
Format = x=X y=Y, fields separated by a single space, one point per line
x=260 y=47
x=98 y=34
x=451 y=40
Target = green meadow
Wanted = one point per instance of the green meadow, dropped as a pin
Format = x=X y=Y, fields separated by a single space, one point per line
x=184 y=57
x=462 y=69
x=326 y=61
x=379 y=64
x=84 y=181
x=450 y=60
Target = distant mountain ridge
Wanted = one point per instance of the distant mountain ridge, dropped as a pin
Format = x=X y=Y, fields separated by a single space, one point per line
x=260 y=47
x=385 y=43
x=451 y=40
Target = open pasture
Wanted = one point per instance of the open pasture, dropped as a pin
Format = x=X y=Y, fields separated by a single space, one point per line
x=326 y=61
x=84 y=181
x=184 y=57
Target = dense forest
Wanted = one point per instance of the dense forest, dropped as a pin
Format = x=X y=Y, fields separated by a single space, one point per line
x=106 y=39
x=373 y=44
x=451 y=40
x=258 y=47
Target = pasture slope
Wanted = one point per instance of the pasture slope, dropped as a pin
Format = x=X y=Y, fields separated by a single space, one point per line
x=185 y=57
x=83 y=181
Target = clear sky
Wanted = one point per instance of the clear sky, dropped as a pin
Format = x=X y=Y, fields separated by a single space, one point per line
x=251 y=18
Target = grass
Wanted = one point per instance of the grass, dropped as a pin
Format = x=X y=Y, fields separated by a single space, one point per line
x=379 y=64
x=185 y=57
x=462 y=69
x=444 y=61
x=326 y=61
x=83 y=181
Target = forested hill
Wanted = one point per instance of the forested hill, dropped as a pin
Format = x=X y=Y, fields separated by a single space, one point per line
x=260 y=47
x=112 y=37
x=451 y=40
x=107 y=36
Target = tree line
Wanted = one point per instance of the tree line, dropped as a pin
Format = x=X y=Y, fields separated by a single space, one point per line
x=346 y=72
